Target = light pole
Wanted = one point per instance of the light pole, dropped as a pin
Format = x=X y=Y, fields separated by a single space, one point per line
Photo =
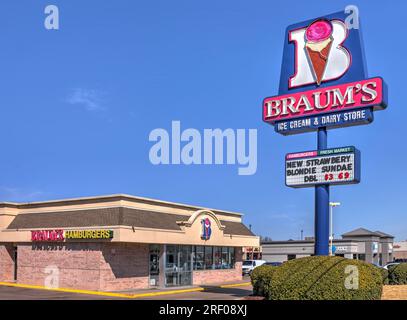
x=331 y=237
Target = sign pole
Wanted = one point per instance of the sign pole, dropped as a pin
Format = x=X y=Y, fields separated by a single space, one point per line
x=322 y=206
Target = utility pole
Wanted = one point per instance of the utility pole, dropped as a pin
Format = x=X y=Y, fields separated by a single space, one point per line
x=331 y=231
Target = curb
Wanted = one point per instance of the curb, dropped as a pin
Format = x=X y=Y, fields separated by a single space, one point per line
x=162 y=293
x=243 y=284
x=101 y=293
x=89 y=292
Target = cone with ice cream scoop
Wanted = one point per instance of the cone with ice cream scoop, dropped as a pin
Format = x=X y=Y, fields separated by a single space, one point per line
x=318 y=42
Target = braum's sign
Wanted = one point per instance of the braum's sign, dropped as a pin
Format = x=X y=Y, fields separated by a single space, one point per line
x=323 y=77
x=329 y=166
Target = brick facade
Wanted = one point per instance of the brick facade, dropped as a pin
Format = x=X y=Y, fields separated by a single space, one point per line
x=93 y=266
x=124 y=266
x=6 y=262
x=88 y=266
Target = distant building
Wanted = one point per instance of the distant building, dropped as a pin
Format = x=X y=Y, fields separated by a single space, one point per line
x=400 y=250
x=361 y=244
x=252 y=253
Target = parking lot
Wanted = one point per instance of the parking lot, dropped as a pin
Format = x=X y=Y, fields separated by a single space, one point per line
x=209 y=293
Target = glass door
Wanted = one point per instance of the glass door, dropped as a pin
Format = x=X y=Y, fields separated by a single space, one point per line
x=178 y=265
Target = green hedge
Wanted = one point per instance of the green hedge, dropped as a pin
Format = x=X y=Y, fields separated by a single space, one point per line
x=260 y=279
x=385 y=275
x=398 y=274
x=323 y=278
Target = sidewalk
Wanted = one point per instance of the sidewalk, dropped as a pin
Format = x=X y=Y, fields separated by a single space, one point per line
x=151 y=292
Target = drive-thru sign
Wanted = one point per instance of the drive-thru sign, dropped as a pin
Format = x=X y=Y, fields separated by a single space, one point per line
x=323 y=85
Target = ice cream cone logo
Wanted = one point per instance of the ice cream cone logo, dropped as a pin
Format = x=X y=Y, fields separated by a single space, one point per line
x=206 y=229
x=318 y=43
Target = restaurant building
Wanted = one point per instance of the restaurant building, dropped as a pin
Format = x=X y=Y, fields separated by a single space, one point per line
x=120 y=242
x=361 y=244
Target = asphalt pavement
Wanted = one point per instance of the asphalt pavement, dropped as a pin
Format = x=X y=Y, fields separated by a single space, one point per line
x=209 y=293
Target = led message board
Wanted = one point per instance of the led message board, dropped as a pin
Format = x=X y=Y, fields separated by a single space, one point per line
x=330 y=166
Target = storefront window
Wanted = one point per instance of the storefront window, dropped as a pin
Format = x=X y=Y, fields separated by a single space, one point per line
x=208 y=258
x=361 y=257
x=232 y=257
x=217 y=257
x=225 y=261
x=199 y=258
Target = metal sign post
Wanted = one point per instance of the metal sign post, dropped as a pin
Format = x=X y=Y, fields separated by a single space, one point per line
x=322 y=206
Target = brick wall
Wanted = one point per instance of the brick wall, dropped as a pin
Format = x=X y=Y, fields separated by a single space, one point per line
x=6 y=262
x=124 y=266
x=71 y=265
x=400 y=254
x=88 y=266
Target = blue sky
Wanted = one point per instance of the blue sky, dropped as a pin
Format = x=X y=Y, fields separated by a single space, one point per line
x=77 y=106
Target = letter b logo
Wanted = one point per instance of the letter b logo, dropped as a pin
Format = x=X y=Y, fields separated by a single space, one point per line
x=318 y=61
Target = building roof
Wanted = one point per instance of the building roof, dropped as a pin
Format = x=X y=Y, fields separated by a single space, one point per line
x=114 y=216
x=384 y=235
x=362 y=232
x=279 y=242
x=108 y=198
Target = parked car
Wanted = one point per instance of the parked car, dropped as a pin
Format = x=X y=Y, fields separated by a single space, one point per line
x=376 y=264
x=391 y=264
x=249 y=265
x=274 y=264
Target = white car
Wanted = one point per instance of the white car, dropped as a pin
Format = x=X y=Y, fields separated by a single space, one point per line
x=391 y=264
x=249 y=265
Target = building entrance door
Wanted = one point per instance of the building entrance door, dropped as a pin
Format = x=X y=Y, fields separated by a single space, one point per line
x=178 y=265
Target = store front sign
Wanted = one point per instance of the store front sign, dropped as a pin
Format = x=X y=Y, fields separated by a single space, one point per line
x=60 y=235
x=47 y=235
x=88 y=234
x=342 y=249
x=356 y=95
x=329 y=166
x=206 y=229
x=329 y=121
x=323 y=73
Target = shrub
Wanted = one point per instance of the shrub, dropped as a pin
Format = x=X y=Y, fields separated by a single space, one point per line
x=398 y=274
x=260 y=279
x=325 y=278
x=385 y=275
